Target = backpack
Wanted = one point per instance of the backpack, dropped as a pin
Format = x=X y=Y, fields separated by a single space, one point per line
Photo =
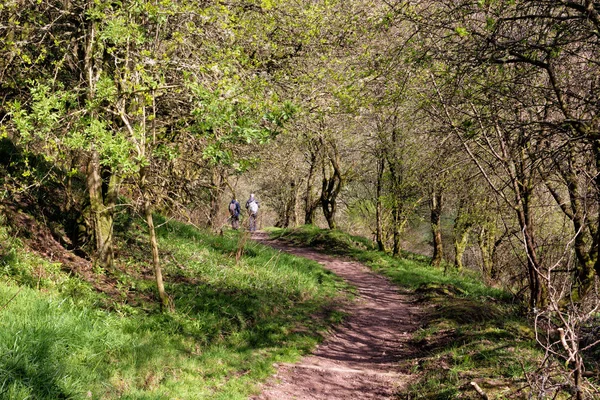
x=232 y=208
x=253 y=207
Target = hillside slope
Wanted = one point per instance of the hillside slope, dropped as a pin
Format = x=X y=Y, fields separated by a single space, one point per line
x=70 y=331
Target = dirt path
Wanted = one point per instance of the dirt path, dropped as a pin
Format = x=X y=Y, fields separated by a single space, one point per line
x=360 y=358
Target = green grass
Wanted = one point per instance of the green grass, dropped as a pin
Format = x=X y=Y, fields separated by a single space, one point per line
x=62 y=339
x=472 y=332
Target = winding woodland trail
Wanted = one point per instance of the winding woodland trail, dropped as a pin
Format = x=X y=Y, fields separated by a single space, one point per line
x=359 y=360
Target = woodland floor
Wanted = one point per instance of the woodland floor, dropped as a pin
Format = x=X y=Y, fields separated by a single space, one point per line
x=360 y=358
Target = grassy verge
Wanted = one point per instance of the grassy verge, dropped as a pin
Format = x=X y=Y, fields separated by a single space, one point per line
x=473 y=333
x=62 y=338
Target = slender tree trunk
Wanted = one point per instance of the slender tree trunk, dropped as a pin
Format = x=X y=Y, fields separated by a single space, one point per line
x=310 y=205
x=578 y=378
x=165 y=303
x=378 y=205
x=461 y=230
x=162 y=294
x=395 y=164
x=436 y=227
x=596 y=233
x=102 y=209
x=286 y=212
x=487 y=246
x=396 y=216
x=330 y=217
x=536 y=288
x=522 y=187
x=291 y=205
x=216 y=189
x=296 y=202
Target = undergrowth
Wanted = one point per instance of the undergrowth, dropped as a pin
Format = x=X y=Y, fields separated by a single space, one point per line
x=472 y=335
x=63 y=338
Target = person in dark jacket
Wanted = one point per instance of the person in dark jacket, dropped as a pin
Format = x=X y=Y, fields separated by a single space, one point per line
x=235 y=211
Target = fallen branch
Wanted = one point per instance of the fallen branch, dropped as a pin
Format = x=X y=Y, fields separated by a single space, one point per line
x=11 y=299
x=479 y=390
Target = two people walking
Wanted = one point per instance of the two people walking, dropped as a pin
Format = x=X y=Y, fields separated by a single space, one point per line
x=251 y=208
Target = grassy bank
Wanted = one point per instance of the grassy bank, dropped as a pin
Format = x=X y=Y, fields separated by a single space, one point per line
x=65 y=337
x=473 y=333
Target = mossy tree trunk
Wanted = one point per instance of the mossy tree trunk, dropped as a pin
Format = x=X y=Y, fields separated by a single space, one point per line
x=436 y=227
x=488 y=244
x=103 y=200
x=102 y=182
x=460 y=246
x=576 y=209
x=396 y=229
x=395 y=161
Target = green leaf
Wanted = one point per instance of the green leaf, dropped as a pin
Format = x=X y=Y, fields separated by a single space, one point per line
x=462 y=31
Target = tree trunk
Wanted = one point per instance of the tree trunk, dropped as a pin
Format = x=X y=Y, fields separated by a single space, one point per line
x=487 y=246
x=215 y=191
x=310 y=205
x=575 y=210
x=102 y=204
x=102 y=193
x=462 y=227
x=291 y=205
x=596 y=233
x=296 y=219
x=165 y=303
x=396 y=175
x=585 y=273
x=460 y=245
x=378 y=205
x=521 y=180
x=536 y=288
x=436 y=228
x=396 y=216
x=332 y=185
x=329 y=212
x=286 y=207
